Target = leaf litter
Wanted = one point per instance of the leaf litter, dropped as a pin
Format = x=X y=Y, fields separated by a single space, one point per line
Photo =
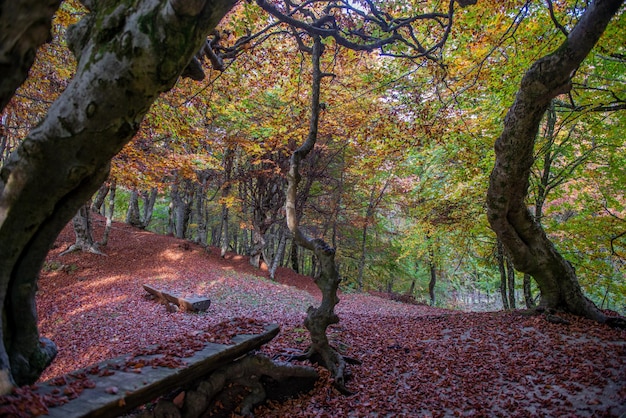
x=417 y=361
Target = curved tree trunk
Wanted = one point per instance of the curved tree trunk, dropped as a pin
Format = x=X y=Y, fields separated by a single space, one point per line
x=318 y=319
x=126 y=58
x=525 y=240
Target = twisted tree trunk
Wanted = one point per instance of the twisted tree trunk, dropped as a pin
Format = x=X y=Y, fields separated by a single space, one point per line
x=126 y=57
x=318 y=319
x=525 y=240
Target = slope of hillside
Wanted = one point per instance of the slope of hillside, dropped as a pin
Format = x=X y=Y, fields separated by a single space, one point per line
x=417 y=360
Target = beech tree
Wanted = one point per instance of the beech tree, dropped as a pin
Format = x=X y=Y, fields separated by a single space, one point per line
x=527 y=243
x=126 y=56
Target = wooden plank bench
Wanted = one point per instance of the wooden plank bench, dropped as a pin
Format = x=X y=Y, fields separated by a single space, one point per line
x=191 y=304
x=114 y=394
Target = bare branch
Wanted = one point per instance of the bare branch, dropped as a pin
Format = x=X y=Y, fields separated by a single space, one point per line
x=553 y=17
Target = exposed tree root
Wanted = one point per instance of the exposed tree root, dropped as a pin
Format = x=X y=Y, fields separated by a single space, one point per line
x=84 y=248
x=334 y=362
x=239 y=387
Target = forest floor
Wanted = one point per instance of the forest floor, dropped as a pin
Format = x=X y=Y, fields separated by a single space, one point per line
x=417 y=361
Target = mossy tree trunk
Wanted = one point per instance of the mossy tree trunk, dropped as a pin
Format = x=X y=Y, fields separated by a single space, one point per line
x=525 y=240
x=127 y=53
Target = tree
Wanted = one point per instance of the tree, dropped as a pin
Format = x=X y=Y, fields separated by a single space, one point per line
x=527 y=243
x=126 y=58
x=318 y=319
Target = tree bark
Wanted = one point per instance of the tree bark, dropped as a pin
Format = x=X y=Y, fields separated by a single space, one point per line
x=126 y=58
x=525 y=240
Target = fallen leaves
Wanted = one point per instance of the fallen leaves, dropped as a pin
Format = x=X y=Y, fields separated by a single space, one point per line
x=417 y=360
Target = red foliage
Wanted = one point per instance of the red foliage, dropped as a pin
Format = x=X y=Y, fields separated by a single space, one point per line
x=417 y=360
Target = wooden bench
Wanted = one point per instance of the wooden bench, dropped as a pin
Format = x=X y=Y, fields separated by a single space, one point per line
x=121 y=390
x=191 y=304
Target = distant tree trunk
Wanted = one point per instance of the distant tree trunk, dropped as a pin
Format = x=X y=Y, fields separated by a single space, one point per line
x=133 y=217
x=98 y=201
x=374 y=201
x=361 y=263
x=432 y=282
x=280 y=252
x=181 y=208
x=432 y=267
x=82 y=228
x=411 y=290
x=140 y=218
x=224 y=234
x=244 y=242
x=267 y=200
x=502 y=269
x=339 y=191
x=256 y=247
x=525 y=240
x=149 y=200
x=226 y=188
x=510 y=272
x=171 y=222
x=201 y=209
x=83 y=232
x=295 y=263
x=528 y=295
x=109 y=214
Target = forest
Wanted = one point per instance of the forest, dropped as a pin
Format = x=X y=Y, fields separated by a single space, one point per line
x=350 y=140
